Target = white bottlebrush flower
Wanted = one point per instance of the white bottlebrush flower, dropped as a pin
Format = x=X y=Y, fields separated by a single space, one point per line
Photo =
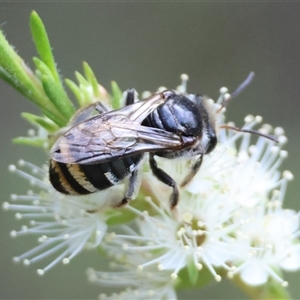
x=62 y=223
x=229 y=218
x=238 y=179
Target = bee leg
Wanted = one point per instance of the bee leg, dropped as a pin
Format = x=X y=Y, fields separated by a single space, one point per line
x=130 y=97
x=165 y=178
x=131 y=189
x=195 y=168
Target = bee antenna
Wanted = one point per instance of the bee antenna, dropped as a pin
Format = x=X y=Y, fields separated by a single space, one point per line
x=238 y=90
x=267 y=136
x=243 y=85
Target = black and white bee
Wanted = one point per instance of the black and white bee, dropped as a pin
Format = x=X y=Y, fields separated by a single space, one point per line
x=100 y=151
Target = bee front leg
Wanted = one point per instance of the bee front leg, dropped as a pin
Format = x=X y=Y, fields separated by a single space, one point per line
x=165 y=178
x=131 y=189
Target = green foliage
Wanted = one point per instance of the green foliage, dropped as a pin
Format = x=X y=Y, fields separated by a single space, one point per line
x=116 y=95
x=44 y=87
x=40 y=121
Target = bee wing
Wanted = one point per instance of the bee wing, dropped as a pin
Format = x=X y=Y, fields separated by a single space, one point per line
x=138 y=111
x=112 y=141
x=113 y=135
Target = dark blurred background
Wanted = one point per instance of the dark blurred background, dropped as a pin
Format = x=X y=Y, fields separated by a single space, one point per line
x=146 y=45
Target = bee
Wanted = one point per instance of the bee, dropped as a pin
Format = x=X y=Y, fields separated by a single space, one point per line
x=99 y=152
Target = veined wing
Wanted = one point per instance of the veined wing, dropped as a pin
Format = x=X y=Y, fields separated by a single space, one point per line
x=111 y=141
x=140 y=110
x=115 y=134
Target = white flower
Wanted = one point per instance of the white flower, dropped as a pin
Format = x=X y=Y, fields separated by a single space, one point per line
x=232 y=192
x=63 y=224
x=273 y=233
x=229 y=218
x=169 y=244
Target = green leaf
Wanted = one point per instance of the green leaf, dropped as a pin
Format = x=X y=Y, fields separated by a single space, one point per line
x=58 y=96
x=31 y=141
x=53 y=116
x=40 y=121
x=89 y=74
x=81 y=79
x=54 y=90
x=42 y=68
x=117 y=95
x=50 y=77
x=76 y=91
x=42 y=43
x=88 y=98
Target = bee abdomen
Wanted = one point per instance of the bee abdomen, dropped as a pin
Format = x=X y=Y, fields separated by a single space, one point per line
x=79 y=179
x=69 y=179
